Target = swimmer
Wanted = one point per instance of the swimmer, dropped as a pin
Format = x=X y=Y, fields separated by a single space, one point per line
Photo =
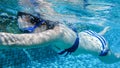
x=64 y=40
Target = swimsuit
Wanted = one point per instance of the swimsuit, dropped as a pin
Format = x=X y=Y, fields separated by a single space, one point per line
x=74 y=46
x=104 y=49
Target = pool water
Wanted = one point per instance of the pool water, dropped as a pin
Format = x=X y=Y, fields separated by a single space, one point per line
x=96 y=16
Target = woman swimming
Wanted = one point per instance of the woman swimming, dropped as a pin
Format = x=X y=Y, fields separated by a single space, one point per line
x=63 y=39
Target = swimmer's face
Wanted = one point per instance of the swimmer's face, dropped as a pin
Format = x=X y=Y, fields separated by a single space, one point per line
x=27 y=20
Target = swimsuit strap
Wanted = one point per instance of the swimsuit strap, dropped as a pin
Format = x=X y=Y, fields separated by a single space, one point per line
x=104 y=49
x=74 y=46
x=71 y=49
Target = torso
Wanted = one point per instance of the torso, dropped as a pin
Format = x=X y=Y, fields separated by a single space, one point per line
x=87 y=43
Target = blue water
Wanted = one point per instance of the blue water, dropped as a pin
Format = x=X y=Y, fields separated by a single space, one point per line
x=96 y=16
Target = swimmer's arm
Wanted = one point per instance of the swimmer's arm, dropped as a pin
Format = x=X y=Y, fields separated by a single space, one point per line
x=104 y=30
x=28 y=40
